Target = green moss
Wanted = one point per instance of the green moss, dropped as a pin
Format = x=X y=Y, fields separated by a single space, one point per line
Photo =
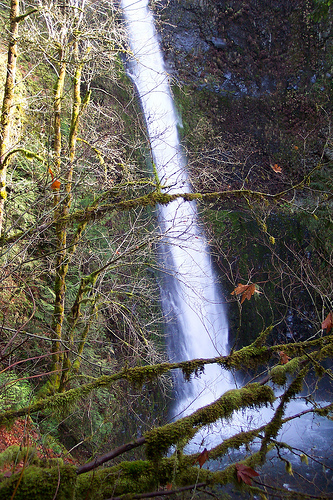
x=40 y=484
x=235 y=442
x=3 y=194
x=325 y=412
x=159 y=440
x=249 y=357
x=125 y=478
x=15 y=454
x=141 y=374
x=279 y=373
x=195 y=367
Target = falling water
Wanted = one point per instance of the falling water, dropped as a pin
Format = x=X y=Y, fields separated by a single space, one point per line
x=195 y=316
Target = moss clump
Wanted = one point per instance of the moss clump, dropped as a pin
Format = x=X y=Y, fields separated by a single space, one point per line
x=195 y=367
x=3 y=194
x=325 y=412
x=127 y=477
x=40 y=484
x=279 y=373
x=235 y=442
x=250 y=356
x=16 y=453
x=141 y=374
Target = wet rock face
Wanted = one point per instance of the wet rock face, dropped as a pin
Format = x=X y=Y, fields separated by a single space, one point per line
x=256 y=69
x=248 y=48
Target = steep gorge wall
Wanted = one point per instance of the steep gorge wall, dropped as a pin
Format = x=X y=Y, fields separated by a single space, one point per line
x=265 y=67
x=253 y=84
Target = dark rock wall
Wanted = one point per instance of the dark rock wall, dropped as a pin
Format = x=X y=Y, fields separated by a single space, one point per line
x=253 y=84
x=248 y=47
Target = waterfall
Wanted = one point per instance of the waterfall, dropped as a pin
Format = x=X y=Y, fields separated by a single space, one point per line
x=195 y=315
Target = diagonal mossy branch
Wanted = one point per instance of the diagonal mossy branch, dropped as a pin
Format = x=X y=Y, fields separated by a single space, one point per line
x=140 y=374
x=97 y=461
x=273 y=427
x=160 y=439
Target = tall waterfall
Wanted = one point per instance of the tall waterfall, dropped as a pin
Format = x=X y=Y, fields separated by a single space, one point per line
x=195 y=315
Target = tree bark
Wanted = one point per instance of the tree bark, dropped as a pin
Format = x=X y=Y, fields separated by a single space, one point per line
x=60 y=229
x=7 y=105
x=109 y=456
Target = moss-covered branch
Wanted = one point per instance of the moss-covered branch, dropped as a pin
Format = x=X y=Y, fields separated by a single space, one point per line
x=273 y=427
x=159 y=440
x=254 y=356
x=156 y=197
x=133 y=479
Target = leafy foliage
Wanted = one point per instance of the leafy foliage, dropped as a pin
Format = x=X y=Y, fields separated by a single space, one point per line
x=322 y=9
x=14 y=393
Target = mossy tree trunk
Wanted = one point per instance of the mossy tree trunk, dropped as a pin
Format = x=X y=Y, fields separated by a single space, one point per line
x=77 y=109
x=7 y=106
x=60 y=228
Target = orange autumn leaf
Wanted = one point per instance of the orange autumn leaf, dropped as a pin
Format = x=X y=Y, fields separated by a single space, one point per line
x=245 y=473
x=246 y=291
x=202 y=458
x=283 y=358
x=55 y=183
x=328 y=322
x=276 y=168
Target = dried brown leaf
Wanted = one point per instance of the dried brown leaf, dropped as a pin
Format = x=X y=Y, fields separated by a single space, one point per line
x=328 y=322
x=246 y=291
x=277 y=168
x=202 y=458
x=284 y=358
x=245 y=473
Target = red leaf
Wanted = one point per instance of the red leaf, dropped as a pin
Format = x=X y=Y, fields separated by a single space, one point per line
x=276 y=168
x=283 y=358
x=246 y=291
x=328 y=322
x=245 y=473
x=202 y=458
x=55 y=185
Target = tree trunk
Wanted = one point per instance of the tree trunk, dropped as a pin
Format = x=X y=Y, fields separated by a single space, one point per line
x=7 y=105
x=61 y=268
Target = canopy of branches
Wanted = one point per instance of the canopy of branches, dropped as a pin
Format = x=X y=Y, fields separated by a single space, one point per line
x=85 y=381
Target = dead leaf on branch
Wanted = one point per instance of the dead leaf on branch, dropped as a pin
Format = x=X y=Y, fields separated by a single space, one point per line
x=246 y=291
x=284 y=358
x=202 y=458
x=245 y=473
x=277 y=168
x=328 y=322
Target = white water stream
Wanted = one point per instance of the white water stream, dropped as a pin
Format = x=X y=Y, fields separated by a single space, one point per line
x=195 y=315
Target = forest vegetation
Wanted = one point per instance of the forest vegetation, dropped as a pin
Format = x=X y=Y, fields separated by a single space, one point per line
x=85 y=383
